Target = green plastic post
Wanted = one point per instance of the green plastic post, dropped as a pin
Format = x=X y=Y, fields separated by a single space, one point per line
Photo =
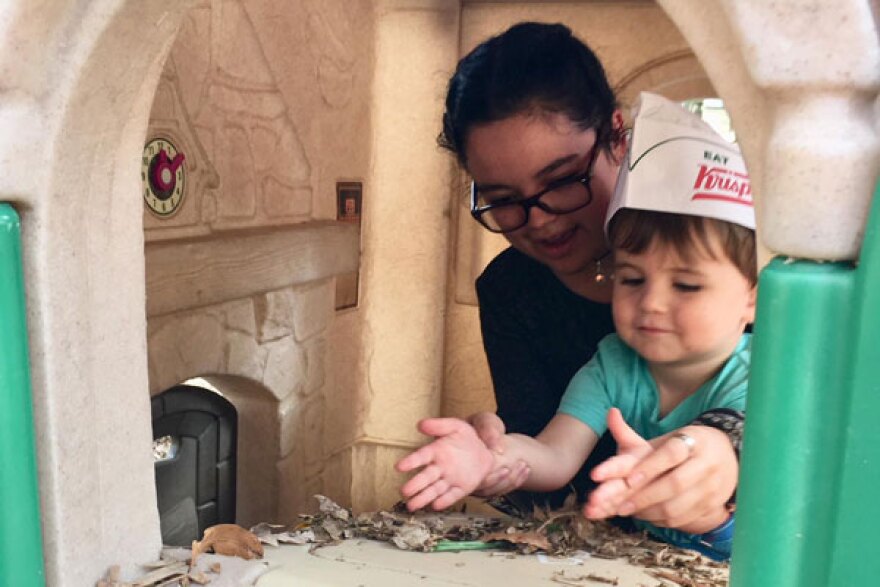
x=854 y=541
x=808 y=509
x=21 y=547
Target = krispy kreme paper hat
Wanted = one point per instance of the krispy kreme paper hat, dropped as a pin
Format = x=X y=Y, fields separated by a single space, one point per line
x=677 y=163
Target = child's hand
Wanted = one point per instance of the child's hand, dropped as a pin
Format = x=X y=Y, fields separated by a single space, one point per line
x=606 y=499
x=507 y=475
x=453 y=465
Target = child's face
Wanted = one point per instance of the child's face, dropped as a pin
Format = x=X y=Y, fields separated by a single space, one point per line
x=676 y=311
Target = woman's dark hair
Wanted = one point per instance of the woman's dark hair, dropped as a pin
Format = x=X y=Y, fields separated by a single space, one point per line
x=531 y=66
x=634 y=231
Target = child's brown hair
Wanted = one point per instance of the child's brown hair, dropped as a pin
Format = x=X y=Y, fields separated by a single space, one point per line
x=635 y=230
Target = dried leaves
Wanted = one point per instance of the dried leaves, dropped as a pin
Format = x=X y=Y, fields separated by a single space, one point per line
x=531 y=541
x=565 y=579
x=558 y=533
x=164 y=573
x=330 y=507
x=223 y=539
x=413 y=536
x=406 y=531
x=229 y=540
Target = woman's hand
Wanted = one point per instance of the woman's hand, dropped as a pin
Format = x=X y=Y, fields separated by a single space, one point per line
x=506 y=475
x=664 y=481
x=676 y=489
x=452 y=466
x=489 y=427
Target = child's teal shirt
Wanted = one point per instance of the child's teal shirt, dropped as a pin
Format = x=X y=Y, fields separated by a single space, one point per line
x=618 y=377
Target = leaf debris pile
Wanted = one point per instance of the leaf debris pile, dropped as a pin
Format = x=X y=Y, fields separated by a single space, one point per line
x=164 y=573
x=558 y=533
x=561 y=533
x=169 y=571
x=406 y=531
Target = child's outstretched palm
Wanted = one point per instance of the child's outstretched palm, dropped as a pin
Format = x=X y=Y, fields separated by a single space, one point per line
x=605 y=500
x=452 y=466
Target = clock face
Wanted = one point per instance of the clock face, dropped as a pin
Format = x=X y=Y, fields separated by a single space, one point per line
x=164 y=177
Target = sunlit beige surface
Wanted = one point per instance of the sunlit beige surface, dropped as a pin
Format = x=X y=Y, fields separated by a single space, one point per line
x=367 y=563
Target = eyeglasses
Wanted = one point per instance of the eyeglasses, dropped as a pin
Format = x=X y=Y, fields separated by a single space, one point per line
x=507 y=214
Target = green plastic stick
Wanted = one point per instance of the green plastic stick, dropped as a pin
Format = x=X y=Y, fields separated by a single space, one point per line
x=455 y=545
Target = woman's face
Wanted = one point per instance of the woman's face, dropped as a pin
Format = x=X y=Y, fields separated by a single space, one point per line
x=519 y=156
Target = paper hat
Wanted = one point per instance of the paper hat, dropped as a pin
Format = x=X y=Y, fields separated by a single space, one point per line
x=677 y=163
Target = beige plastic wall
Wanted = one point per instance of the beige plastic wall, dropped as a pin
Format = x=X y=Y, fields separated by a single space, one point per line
x=395 y=369
x=78 y=81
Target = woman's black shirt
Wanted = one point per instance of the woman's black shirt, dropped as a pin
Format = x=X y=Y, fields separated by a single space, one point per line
x=537 y=333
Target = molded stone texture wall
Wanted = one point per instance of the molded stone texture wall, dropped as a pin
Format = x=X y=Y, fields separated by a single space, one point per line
x=635 y=60
x=80 y=80
x=273 y=105
x=276 y=343
x=270 y=103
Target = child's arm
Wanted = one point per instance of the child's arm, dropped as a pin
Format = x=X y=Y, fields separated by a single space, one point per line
x=555 y=455
x=455 y=464
x=565 y=443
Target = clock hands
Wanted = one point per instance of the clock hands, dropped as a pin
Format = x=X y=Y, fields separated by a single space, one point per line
x=163 y=176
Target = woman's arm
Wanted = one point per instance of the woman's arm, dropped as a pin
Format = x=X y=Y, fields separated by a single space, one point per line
x=666 y=483
x=694 y=485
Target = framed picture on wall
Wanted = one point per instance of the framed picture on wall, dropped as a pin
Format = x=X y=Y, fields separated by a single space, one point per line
x=348 y=209
x=348 y=201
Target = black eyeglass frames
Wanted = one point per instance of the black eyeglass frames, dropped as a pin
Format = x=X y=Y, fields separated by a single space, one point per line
x=561 y=197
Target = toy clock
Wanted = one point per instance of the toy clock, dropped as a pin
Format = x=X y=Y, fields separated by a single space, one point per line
x=164 y=177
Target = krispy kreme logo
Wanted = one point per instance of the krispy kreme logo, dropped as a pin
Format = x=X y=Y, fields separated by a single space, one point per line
x=720 y=183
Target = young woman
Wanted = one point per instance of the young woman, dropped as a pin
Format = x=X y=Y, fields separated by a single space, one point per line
x=531 y=117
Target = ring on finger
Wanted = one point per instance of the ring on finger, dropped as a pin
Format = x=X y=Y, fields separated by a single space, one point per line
x=688 y=441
